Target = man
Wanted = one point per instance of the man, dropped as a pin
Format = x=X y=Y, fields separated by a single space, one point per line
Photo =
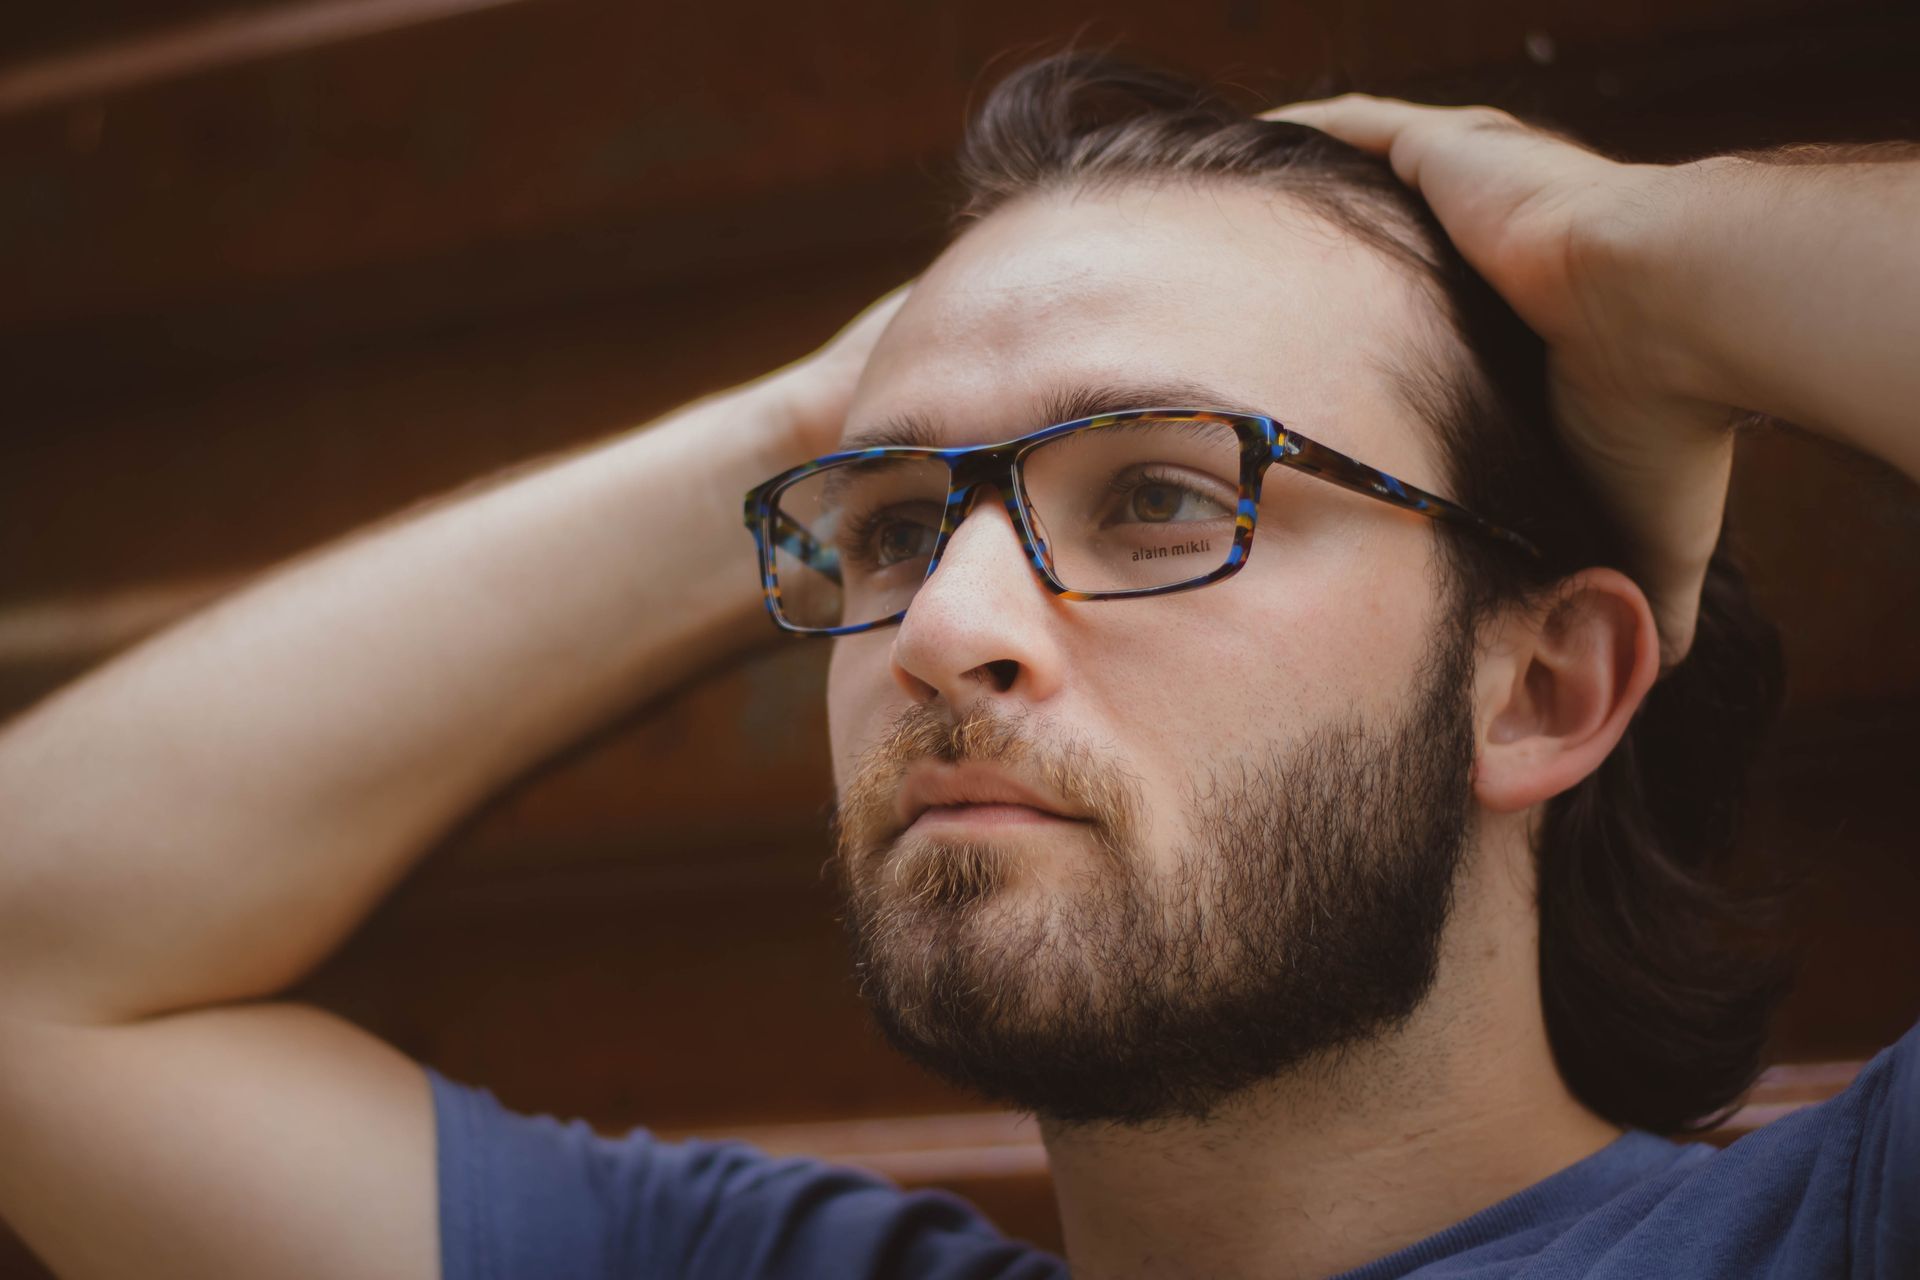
x=1239 y=850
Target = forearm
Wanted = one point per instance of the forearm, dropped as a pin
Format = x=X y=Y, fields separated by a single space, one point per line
x=206 y=817
x=1792 y=290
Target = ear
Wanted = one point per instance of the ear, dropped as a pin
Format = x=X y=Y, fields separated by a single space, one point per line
x=1555 y=692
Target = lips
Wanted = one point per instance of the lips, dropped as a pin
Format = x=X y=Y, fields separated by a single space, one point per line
x=959 y=788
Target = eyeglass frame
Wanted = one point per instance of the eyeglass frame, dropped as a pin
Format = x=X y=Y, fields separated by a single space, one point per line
x=1264 y=442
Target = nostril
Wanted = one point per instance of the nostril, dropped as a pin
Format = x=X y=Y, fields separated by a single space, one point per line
x=1004 y=672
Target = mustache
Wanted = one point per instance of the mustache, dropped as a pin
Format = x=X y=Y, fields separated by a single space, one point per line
x=865 y=823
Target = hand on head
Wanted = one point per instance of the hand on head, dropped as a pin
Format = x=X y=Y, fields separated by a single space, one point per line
x=1545 y=222
x=818 y=388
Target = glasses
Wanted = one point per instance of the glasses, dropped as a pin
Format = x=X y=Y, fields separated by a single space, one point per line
x=1114 y=507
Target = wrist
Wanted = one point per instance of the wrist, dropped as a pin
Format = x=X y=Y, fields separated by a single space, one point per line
x=1619 y=267
x=695 y=466
x=1671 y=252
x=736 y=437
x=774 y=420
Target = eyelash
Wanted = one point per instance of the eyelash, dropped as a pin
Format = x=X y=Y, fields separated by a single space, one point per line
x=1127 y=482
x=856 y=533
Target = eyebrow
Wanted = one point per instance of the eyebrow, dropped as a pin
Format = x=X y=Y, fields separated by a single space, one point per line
x=1063 y=404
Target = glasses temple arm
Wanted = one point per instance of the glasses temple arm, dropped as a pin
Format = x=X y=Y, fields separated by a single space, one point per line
x=798 y=541
x=1296 y=451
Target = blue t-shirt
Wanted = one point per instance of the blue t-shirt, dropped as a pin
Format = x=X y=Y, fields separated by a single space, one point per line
x=1832 y=1190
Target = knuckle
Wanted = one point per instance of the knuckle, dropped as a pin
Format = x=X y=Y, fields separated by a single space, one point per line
x=1491 y=118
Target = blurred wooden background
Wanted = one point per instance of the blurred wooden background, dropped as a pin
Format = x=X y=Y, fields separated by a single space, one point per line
x=275 y=268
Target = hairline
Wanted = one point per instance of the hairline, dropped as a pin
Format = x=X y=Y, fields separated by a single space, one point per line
x=1433 y=377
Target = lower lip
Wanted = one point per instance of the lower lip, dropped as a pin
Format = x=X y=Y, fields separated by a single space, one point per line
x=986 y=815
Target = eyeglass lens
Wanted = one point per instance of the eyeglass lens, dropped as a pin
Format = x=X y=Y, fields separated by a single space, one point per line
x=1128 y=506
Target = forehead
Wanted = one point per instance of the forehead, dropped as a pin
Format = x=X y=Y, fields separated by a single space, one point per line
x=1062 y=297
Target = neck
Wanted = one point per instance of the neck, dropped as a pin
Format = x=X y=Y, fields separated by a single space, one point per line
x=1350 y=1158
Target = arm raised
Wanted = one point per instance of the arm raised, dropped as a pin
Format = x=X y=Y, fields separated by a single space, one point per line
x=1677 y=300
x=200 y=822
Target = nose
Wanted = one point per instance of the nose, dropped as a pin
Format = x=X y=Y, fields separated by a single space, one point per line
x=983 y=625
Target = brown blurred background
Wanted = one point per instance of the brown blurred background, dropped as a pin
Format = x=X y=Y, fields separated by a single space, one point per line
x=274 y=269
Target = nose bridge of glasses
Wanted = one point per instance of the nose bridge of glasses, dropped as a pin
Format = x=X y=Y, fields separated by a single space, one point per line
x=987 y=466
x=983 y=474
x=977 y=474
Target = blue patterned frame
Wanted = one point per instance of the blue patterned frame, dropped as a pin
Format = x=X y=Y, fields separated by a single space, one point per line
x=1263 y=443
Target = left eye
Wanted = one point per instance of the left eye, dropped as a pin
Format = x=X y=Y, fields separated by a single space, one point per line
x=1151 y=501
x=899 y=540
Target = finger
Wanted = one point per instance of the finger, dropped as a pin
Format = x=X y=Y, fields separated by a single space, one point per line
x=865 y=328
x=1670 y=497
x=883 y=308
x=1677 y=621
x=1358 y=119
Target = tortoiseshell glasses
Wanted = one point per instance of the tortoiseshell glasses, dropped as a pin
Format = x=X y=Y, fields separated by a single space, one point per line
x=1140 y=503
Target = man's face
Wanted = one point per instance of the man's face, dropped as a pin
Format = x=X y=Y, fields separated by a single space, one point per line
x=1081 y=838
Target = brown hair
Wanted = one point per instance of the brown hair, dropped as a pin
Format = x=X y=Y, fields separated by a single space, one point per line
x=1658 y=971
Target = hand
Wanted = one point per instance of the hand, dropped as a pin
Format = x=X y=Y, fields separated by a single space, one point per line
x=813 y=393
x=1546 y=223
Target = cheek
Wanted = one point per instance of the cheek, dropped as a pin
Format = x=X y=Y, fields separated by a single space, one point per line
x=1285 y=647
x=1183 y=685
x=861 y=698
x=1351 y=626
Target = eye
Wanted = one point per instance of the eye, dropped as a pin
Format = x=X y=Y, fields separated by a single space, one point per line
x=892 y=535
x=898 y=540
x=1162 y=499
x=1155 y=502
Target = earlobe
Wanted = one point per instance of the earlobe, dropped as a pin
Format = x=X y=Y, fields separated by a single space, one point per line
x=1560 y=689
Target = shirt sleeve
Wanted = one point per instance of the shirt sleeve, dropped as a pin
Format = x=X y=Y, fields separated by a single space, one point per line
x=1886 y=1228
x=532 y=1196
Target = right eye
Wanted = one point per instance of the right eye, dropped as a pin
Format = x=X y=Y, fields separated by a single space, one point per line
x=889 y=536
x=898 y=540
x=1164 y=494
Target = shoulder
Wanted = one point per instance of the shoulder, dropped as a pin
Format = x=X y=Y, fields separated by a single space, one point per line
x=524 y=1195
x=1828 y=1186
x=1832 y=1189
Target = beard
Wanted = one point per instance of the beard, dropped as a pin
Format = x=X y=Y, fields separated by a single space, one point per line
x=1303 y=916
